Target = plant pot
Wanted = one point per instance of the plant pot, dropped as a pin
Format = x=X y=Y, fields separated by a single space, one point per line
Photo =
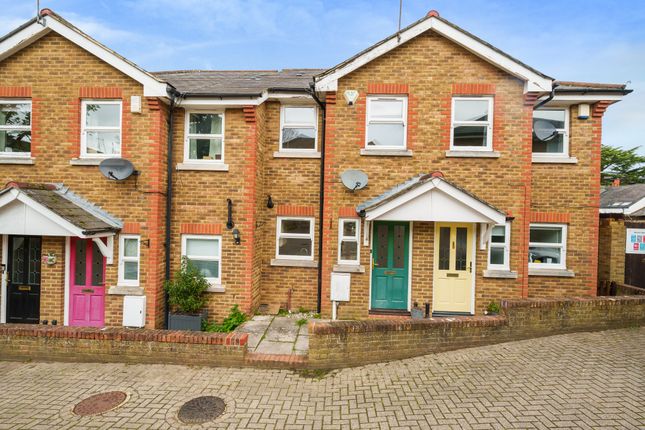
x=187 y=322
x=416 y=313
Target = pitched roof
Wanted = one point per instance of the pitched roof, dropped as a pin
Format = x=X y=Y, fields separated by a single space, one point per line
x=87 y=217
x=238 y=82
x=621 y=197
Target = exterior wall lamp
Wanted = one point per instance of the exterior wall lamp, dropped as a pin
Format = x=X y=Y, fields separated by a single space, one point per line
x=236 y=236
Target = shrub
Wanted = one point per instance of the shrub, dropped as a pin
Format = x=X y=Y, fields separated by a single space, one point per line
x=186 y=290
x=493 y=308
x=234 y=319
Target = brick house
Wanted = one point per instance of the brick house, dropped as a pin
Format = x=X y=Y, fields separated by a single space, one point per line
x=483 y=179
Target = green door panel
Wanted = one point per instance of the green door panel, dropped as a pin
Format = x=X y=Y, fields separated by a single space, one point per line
x=390 y=253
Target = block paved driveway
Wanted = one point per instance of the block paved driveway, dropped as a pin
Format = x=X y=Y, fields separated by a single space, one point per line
x=584 y=380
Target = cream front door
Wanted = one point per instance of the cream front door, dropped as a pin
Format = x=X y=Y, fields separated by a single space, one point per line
x=453 y=270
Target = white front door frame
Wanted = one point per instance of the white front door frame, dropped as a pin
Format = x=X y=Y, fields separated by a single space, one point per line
x=67 y=278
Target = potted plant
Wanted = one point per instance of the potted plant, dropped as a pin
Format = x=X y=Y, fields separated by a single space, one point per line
x=186 y=298
x=493 y=308
x=416 y=312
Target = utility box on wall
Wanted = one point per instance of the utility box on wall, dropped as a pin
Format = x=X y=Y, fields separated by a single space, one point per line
x=134 y=311
x=340 y=287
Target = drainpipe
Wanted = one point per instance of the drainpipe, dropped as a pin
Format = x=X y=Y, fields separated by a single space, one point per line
x=321 y=199
x=548 y=99
x=173 y=95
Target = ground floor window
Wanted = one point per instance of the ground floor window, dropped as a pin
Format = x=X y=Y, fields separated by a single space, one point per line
x=129 y=260
x=348 y=238
x=547 y=246
x=499 y=247
x=295 y=238
x=204 y=252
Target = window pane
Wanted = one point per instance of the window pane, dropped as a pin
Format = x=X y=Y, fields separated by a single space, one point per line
x=348 y=250
x=462 y=247
x=131 y=270
x=349 y=228
x=471 y=110
x=205 y=149
x=34 y=261
x=18 y=260
x=202 y=247
x=555 y=117
x=386 y=109
x=130 y=247
x=102 y=115
x=80 y=260
x=399 y=246
x=470 y=135
x=382 y=239
x=298 y=138
x=15 y=141
x=296 y=226
x=499 y=231
x=299 y=115
x=205 y=123
x=98 y=265
x=209 y=269
x=103 y=142
x=385 y=134
x=295 y=246
x=546 y=234
x=497 y=255
x=15 y=114
x=444 y=248
x=545 y=255
x=553 y=145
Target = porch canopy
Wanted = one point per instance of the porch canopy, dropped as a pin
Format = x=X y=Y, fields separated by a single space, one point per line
x=52 y=210
x=430 y=197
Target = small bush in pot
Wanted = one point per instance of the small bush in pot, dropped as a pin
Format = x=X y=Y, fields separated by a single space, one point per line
x=493 y=308
x=186 y=297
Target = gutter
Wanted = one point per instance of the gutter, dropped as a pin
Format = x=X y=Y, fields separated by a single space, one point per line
x=321 y=200
x=548 y=99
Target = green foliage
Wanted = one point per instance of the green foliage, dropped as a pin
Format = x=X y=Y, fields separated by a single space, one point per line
x=301 y=322
x=283 y=313
x=186 y=290
x=623 y=164
x=493 y=308
x=234 y=319
x=302 y=310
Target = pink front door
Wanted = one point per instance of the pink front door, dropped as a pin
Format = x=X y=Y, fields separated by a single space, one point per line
x=87 y=284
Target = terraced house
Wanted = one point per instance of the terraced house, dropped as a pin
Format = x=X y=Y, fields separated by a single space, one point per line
x=430 y=168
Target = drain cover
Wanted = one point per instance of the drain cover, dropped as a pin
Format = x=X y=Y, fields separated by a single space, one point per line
x=99 y=403
x=201 y=409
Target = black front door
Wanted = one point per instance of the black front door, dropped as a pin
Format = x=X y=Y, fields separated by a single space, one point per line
x=23 y=288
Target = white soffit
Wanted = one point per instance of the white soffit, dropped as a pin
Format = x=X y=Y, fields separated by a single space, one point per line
x=533 y=81
x=32 y=32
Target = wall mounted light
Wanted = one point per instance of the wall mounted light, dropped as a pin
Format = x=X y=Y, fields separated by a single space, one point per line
x=270 y=202
x=146 y=242
x=236 y=236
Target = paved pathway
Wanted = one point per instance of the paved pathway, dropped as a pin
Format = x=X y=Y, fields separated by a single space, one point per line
x=281 y=335
x=584 y=380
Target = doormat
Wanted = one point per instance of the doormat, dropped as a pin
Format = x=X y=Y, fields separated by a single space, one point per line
x=100 y=403
x=201 y=409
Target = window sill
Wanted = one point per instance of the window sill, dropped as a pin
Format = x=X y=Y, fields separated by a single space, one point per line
x=293 y=263
x=125 y=290
x=472 y=154
x=296 y=154
x=559 y=273
x=554 y=160
x=86 y=161
x=503 y=274
x=17 y=160
x=387 y=152
x=348 y=268
x=219 y=167
x=216 y=288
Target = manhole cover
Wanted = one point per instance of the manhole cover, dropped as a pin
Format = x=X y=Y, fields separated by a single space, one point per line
x=99 y=403
x=201 y=409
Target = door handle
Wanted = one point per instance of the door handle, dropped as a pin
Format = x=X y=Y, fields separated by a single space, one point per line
x=470 y=267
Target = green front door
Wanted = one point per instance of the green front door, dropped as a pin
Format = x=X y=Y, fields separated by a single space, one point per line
x=390 y=262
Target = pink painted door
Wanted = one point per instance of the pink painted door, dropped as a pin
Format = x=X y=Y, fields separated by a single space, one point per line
x=87 y=284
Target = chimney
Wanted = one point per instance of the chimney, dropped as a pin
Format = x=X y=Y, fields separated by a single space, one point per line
x=616 y=183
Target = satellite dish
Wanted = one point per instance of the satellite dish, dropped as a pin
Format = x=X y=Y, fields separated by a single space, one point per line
x=116 y=169
x=544 y=130
x=354 y=179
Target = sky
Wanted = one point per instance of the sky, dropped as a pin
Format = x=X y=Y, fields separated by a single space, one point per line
x=580 y=40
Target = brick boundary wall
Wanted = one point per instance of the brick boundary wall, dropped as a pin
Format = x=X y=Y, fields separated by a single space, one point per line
x=355 y=343
x=121 y=345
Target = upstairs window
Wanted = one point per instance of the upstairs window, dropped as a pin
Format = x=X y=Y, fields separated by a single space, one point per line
x=295 y=238
x=204 y=137
x=348 y=240
x=101 y=128
x=550 y=132
x=547 y=246
x=472 y=124
x=299 y=128
x=499 y=247
x=15 y=128
x=386 y=122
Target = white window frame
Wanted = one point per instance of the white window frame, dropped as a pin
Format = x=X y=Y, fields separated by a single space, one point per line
x=298 y=125
x=123 y=259
x=489 y=124
x=342 y=238
x=184 y=239
x=279 y=234
x=18 y=127
x=85 y=129
x=188 y=136
x=562 y=246
x=506 y=246
x=565 y=136
x=369 y=120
